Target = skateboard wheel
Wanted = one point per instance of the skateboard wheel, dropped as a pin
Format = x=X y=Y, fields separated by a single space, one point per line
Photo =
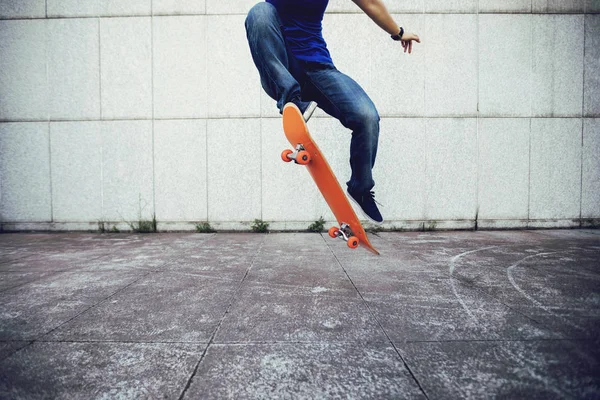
x=285 y=154
x=333 y=232
x=303 y=157
x=353 y=242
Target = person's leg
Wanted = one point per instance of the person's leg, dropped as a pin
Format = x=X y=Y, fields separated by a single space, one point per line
x=341 y=97
x=270 y=55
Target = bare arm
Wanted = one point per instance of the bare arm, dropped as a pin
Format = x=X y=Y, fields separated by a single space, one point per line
x=378 y=12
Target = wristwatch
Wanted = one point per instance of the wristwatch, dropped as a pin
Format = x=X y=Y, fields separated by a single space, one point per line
x=399 y=35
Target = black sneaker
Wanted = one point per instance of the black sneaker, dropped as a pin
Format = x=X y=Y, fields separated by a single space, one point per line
x=368 y=205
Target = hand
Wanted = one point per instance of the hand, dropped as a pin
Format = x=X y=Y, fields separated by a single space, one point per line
x=407 y=40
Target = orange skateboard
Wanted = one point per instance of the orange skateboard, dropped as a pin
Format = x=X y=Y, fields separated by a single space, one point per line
x=307 y=153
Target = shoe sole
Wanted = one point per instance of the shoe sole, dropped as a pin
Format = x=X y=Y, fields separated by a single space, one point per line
x=363 y=211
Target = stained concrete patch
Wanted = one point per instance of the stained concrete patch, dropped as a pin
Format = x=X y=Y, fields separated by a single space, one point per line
x=303 y=268
x=225 y=256
x=166 y=307
x=8 y=348
x=268 y=313
x=546 y=369
x=36 y=308
x=98 y=370
x=303 y=371
x=406 y=319
x=11 y=280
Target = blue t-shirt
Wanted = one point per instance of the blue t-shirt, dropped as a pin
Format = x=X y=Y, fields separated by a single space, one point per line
x=302 y=28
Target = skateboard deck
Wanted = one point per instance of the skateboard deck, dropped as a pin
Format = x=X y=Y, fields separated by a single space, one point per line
x=306 y=152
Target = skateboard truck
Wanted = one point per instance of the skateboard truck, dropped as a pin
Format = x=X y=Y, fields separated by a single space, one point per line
x=344 y=232
x=300 y=156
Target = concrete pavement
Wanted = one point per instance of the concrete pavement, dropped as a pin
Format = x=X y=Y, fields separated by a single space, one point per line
x=439 y=315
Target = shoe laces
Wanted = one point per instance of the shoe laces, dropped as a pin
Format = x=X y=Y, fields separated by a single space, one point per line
x=372 y=195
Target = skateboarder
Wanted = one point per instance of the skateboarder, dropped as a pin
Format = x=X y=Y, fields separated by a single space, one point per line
x=287 y=46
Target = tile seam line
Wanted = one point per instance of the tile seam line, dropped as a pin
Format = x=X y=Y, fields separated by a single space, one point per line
x=42 y=335
x=524 y=340
x=372 y=314
x=414 y=12
x=475 y=117
x=583 y=120
x=214 y=334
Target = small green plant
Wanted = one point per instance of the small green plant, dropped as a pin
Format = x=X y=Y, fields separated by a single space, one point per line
x=375 y=229
x=144 y=226
x=317 y=226
x=141 y=225
x=204 y=227
x=260 y=226
x=430 y=226
x=104 y=227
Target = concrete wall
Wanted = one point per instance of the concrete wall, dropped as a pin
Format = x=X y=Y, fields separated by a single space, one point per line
x=110 y=110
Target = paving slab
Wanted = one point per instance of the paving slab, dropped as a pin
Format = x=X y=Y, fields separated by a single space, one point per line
x=484 y=314
x=30 y=311
x=303 y=371
x=160 y=307
x=98 y=370
x=546 y=369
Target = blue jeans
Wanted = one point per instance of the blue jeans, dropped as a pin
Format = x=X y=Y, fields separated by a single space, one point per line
x=287 y=79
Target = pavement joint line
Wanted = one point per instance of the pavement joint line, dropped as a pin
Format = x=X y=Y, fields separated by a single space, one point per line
x=503 y=340
x=16 y=259
x=212 y=337
x=377 y=321
x=5 y=290
x=27 y=343
x=288 y=286
x=50 y=273
x=93 y=306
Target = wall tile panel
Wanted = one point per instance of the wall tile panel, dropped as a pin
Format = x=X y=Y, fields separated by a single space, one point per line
x=180 y=67
x=126 y=68
x=590 y=202
x=400 y=168
x=229 y=6
x=25 y=172
x=451 y=6
x=557 y=65
x=504 y=6
x=76 y=154
x=451 y=176
x=178 y=7
x=127 y=171
x=505 y=87
x=397 y=82
x=96 y=8
x=503 y=168
x=23 y=75
x=555 y=168
x=558 y=6
x=180 y=170
x=23 y=9
x=73 y=52
x=591 y=100
x=231 y=91
x=234 y=170
x=450 y=65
